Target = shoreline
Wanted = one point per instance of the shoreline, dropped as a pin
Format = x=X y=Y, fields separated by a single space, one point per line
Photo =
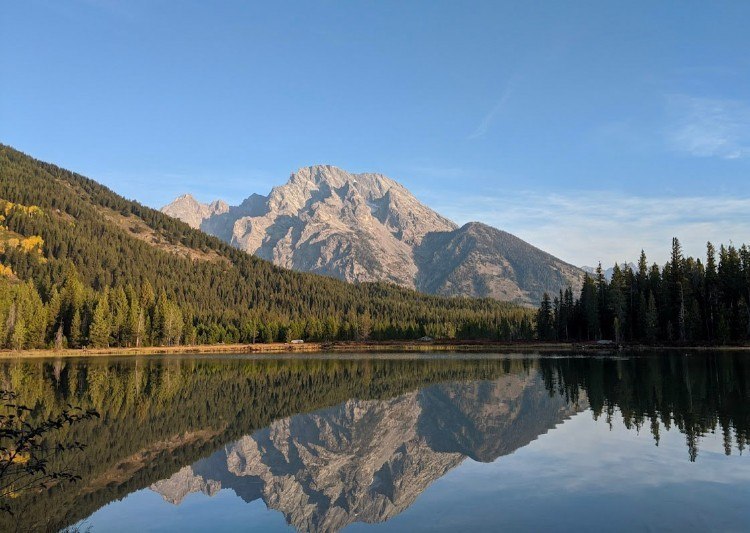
x=280 y=348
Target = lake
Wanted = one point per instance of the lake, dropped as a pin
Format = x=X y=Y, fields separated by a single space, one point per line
x=398 y=442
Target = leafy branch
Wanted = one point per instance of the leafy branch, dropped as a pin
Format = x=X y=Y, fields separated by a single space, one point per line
x=28 y=451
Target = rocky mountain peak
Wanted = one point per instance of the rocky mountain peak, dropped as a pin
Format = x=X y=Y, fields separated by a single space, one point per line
x=193 y=212
x=368 y=227
x=475 y=227
x=218 y=206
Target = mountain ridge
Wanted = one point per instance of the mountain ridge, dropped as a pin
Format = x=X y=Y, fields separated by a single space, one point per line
x=368 y=227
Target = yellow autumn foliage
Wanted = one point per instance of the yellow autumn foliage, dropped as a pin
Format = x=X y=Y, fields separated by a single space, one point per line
x=31 y=210
x=30 y=243
x=19 y=458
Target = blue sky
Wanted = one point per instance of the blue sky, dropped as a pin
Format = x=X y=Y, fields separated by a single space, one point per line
x=591 y=129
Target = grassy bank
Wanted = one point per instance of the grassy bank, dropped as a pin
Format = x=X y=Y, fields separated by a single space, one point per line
x=349 y=347
x=285 y=348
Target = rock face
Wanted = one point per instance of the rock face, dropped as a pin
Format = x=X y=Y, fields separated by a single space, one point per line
x=367 y=461
x=367 y=227
x=191 y=211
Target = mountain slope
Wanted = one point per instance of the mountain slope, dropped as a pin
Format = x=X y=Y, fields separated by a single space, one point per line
x=100 y=250
x=479 y=260
x=367 y=227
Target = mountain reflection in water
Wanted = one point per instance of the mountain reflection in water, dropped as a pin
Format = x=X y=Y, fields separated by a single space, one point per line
x=329 y=443
x=369 y=460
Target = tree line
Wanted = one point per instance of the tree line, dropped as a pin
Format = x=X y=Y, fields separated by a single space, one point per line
x=685 y=301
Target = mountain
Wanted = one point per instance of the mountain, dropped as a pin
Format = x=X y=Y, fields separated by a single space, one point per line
x=609 y=271
x=367 y=227
x=192 y=212
x=479 y=260
x=369 y=460
x=80 y=260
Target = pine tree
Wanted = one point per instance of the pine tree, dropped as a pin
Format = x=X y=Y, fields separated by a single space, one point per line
x=676 y=289
x=745 y=260
x=711 y=292
x=188 y=332
x=75 y=335
x=10 y=323
x=160 y=319
x=18 y=335
x=100 y=325
x=616 y=302
x=544 y=320
x=54 y=313
x=642 y=270
x=589 y=305
x=364 y=326
x=119 y=316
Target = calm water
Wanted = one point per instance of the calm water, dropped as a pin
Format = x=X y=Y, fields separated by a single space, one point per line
x=478 y=443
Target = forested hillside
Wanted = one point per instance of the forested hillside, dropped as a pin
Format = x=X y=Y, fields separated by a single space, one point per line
x=82 y=266
x=686 y=301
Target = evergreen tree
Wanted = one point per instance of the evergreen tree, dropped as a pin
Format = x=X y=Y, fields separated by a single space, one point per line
x=75 y=335
x=100 y=325
x=589 y=310
x=544 y=319
x=18 y=335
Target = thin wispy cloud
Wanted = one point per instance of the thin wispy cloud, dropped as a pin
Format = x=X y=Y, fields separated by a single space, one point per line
x=709 y=127
x=500 y=104
x=586 y=227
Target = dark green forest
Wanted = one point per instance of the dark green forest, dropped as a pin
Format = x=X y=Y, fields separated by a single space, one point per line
x=81 y=266
x=685 y=302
